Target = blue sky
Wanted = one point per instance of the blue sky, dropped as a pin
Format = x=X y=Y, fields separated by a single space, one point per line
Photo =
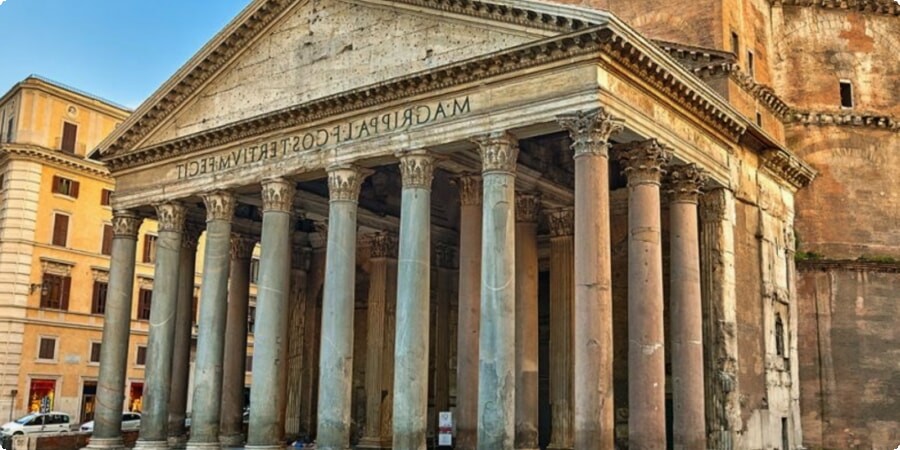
x=121 y=50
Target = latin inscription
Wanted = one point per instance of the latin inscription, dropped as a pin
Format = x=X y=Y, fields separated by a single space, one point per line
x=282 y=147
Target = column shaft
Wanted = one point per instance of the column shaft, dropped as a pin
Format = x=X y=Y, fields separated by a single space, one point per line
x=593 y=333
x=646 y=345
x=497 y=334
x=296 y=336
x=207 y=398
x=181 y=353
x=158 y=369
x=336 y=354
x=233 y=370
x=116 y=333
x=310 y=372
x=562 y=298
x=469 y=299
x=445 y=260
x=527 y=206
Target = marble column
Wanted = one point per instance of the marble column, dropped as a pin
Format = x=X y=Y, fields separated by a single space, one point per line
x=445 y=268
x=181 y=352
x=685 y=310
x=267 y=399
x=336 y=353
x=413 y=296
x=231 y=433
x=382 y=290
x=562 y=300
x=469 y=315
x=297 y=337
x=116 y=333
x=207 y=397
x=593 y=331
x=497 y=336
x=158 y=369
x=644 y=162
x=527 y=209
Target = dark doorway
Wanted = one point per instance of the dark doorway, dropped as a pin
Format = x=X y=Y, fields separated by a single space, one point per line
x=88 y=394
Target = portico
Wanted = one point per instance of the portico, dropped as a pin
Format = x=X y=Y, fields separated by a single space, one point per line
x=506 y=149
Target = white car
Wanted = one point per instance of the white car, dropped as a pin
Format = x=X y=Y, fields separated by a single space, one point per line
x=51 y=422
x=131 y=421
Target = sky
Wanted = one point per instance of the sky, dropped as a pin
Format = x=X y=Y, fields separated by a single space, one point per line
x=120 y=50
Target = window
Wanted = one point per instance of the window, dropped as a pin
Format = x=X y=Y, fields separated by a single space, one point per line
x=735 y=44
x=60 y=229
x=95 y=352
x=105 y=195
x=70 y=133
x=846 y=94
x=248 y=363
x=254 y=270
x=251 y=319
x=145 y=296
x=779 y=335
x=106 y=245
x=149 y=249
x=750 y=64
x=47 y=348
x=98 y=303
x=785 y=438
x=141 y=358
x=758 y=119
x=65 y=186
x=55 y=292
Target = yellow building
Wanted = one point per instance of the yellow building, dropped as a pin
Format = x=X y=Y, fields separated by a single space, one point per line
x=55 y=237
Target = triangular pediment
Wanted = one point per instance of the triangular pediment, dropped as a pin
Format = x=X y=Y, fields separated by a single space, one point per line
x=320 y=48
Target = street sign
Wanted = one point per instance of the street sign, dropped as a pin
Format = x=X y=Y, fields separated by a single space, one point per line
x=445 y=428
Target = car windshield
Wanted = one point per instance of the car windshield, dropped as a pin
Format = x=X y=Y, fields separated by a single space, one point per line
x=24 y=420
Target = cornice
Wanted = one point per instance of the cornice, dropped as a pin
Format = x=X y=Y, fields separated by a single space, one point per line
x=532 y=17
x=843 y=118
x=789 y=167
x=55 y=157
x=761 y=92
x=826 y=265
x=886 y=7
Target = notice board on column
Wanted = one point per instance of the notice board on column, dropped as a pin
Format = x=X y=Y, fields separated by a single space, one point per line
x=445 y=428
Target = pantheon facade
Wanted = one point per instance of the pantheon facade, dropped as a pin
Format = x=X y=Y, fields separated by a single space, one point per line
x=517 y=211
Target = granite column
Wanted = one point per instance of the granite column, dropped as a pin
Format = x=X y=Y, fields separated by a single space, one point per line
x=297 y=337
x=644 y=163
x=181 y=352
x=527 y=208
x=116 y=333
x=562 y=300
x=445 y=281
x=497 y=334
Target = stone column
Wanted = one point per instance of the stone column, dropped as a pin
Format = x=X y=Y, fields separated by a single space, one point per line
x=382 y=290
x=644 y=162
x=296 y=335
x=527 y=208
x=723 y=402
x=181 y=353
x=562 y=300
x=310 y=372
x=158 y=370
x=445 y=263
x=593 y=331
x=231 y=433
x=336 y=354
x=116 y=333
x=413 y=296
x=686 y=312
x=469 y=314
x=207 y=398
x=497 y=337
x=267 y=399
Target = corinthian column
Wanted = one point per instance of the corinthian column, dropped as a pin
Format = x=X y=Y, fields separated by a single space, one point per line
x=207 y=400
x=116 y=332
x=686 y=311
x=594 y=410
x=158 y=370
x=527 y=208
x=497 y=337
x=445 y=263
x=233 y=373
x=297 y=317
x=336 y=354
x=644 y=162
x=181 y=353
x=562 y=297
x=379 y=343
x=469 y=310
x=267 y=390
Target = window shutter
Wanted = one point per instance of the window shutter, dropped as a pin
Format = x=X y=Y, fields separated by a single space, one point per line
x=147 y=245
x=106 y=247
x=64 y=295
x=60 y=229
x=74 y=191
x=70 y=131
x=56 y=182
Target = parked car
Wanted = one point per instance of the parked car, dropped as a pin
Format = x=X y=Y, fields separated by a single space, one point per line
x=130 y=421
x=51 y=422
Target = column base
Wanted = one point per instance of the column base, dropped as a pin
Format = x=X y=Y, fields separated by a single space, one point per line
x=374 y=442
x=272 y=447
x=106 y=443
x=178 y=442
x=232 y=440
x=143 y=444
x=203 y=446
x=553 y=446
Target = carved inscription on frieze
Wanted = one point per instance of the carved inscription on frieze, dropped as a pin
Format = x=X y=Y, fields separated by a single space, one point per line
x=284 y=146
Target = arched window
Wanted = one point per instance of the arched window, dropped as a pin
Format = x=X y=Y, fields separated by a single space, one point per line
x=779 y=335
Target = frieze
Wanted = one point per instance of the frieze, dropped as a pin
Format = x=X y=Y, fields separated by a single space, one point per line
x=278 y=195
x=416 y=169
x=591 y=130
x=498 y=151
x=219 y=205
x=126 y=224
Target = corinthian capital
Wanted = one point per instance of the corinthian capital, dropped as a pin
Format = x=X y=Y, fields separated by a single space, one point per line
x=528 y=205
x=278 y=195
x=219 y=205
x=416 y=169
x=191 y=235
x=686 y=182
x=383 y=244
x=126 y=224
x=561 y=221
x=498 y=151
x=470 y=188
x=644 y=161
x=344 y=182
x=170 y=216
x=590 y=131
x=242 y=246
